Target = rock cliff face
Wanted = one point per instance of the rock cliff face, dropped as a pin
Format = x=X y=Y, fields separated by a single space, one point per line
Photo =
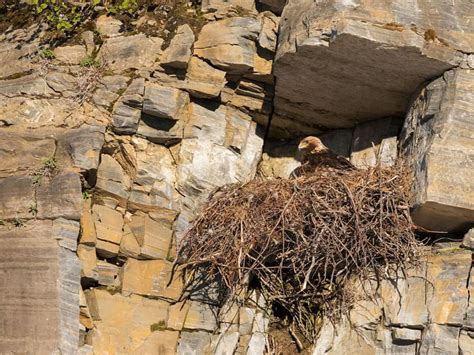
x=105 y=162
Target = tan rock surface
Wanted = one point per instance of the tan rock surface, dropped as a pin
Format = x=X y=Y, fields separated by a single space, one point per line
x=113 y=333
x=150 y=278
x=438 y=141
x=371 y=58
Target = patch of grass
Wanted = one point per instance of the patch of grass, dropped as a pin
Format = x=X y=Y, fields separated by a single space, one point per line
x=47 y=53
x=18 y=222
x=89 y=61
x=48 y=169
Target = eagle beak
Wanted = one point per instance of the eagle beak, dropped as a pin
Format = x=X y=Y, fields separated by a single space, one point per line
x=302 y=146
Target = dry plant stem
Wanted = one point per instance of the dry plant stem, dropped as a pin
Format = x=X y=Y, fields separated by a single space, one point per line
x=303 y=239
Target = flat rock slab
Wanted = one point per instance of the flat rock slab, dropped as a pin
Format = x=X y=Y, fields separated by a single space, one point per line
x=341 y=64
x=39 y=291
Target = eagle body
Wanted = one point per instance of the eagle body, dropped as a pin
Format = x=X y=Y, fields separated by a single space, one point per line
x=316 y=155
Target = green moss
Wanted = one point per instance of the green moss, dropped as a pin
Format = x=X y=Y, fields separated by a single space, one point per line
x=89 y=61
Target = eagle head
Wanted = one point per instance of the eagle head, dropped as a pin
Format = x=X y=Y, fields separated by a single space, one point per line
x=311 y=144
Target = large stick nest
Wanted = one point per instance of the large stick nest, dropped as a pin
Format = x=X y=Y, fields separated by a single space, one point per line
x=302 y=240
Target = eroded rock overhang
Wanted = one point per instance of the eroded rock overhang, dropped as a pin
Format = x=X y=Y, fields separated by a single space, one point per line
x=340 y=63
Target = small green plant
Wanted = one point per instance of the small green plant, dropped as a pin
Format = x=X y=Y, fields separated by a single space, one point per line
x=50 y=164
x=61 y=14
x=48 y=169
x=33 y=210
x=157 y=326
x=124 y=6
x=89 y=61
x=18 y=222
x=47 y=53
x=2 y=222
x=86 y=195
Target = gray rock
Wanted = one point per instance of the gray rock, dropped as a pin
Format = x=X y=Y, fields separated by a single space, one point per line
x=66 y=232
x=269 y=34
x=133 y=95
x=203 y=80
x=257 y=344
x=179 y=51
x=60 y=197
x=125 y=119
x=130 y=52
x=229 y=44
x=62 y=83
x=468 y=240
x=406 y=334
x=82 y=147
x=436 y=140
x=440 y=340
x=31 y=85
x=23 y=152
x=206 y=162
x=104 y=97
x=38 y=269
x=70 y=54
x=164 y=102
x=16 y=197
x=115 y=83
x=375 y=142
x=112 y=180
x=226 y=343
x=387 y=62
x=466 y=343
x=194 y=343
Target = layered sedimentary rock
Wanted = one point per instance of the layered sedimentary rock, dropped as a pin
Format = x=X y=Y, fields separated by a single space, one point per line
x=141 y=138
x=423 y=312
x=358 y=60
x=438 y=140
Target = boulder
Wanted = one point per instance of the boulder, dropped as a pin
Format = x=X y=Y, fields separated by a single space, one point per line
x=179 y=51
x=370 y=58
x=437 y=141
x=229 y=44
